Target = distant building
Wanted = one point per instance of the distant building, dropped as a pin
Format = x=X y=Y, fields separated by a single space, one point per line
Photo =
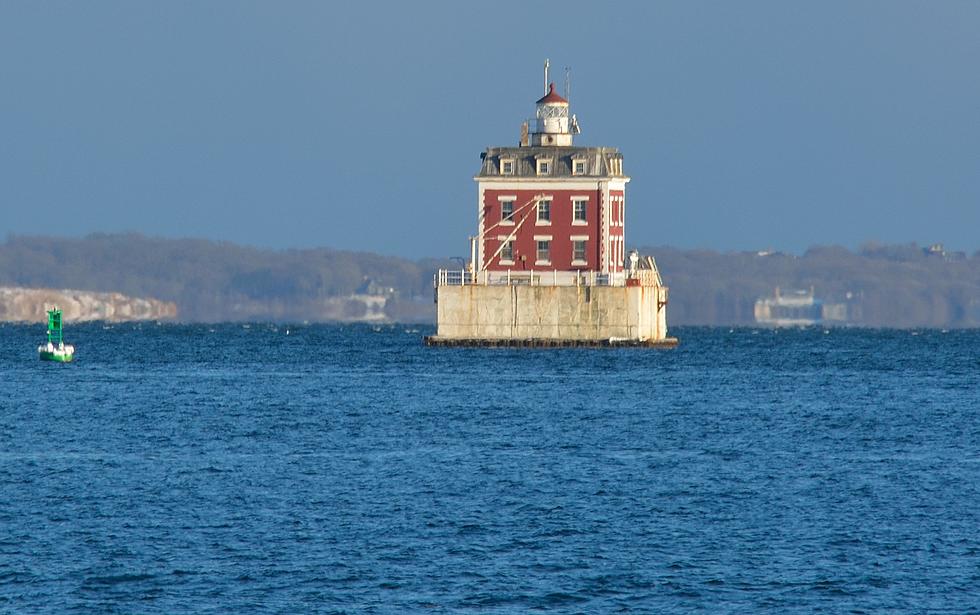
x=798 y=308
x=939 y=250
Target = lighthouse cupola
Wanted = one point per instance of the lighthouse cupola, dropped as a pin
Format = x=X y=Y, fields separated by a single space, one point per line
x=552 y=124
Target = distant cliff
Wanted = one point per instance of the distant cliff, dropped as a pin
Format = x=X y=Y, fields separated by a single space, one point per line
x=212 y=281
x=29 y=305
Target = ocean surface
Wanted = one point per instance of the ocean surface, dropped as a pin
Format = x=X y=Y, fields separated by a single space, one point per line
x=348 y=469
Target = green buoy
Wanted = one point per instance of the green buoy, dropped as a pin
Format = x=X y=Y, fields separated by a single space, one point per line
x=55 y=349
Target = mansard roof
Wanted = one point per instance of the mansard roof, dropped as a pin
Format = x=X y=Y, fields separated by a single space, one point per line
x=597 y=161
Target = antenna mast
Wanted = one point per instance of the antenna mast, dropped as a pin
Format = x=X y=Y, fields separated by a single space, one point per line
x=568 y=83
x=547 y=63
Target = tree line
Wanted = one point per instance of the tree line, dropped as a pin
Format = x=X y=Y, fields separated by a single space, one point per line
x=217 y=281
x=883 y=285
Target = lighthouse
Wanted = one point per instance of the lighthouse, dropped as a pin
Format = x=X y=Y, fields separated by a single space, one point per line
x=548 y=262
x=549 y=205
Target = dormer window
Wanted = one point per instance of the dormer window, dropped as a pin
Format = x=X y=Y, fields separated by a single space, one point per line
x=578 y=167
x=507 y=166
x=544 y=167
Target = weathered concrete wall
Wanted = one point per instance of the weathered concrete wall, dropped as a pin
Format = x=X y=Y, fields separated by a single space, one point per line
x=29 y=305
x=552 y=312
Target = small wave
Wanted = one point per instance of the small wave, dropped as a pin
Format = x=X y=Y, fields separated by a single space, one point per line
x=117 y=579
x=561 y=598
x=471 y=528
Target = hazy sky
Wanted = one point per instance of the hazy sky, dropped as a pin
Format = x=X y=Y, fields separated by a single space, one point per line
x=359 y=125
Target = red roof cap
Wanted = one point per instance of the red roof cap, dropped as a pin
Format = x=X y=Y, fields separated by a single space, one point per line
x=552 y=96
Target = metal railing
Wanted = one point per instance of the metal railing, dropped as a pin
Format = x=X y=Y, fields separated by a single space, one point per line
x=554 y=277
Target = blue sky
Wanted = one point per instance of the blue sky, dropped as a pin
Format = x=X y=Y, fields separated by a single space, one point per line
x=359 y=125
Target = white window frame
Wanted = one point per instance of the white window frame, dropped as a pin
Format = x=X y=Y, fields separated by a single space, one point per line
x=584 y=240
x=575 y=167
x=537 y=251
x=584 y=221
x=539 y=221
x=505 y=220
x=503 y=250
x=544 y=166
x=503 y=164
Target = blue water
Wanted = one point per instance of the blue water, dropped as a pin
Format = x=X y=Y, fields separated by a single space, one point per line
x=182 y=468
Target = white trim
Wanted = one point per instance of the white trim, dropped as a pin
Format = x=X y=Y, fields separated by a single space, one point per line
x=480 y=223
x=579 y=238
x=578 y=263
x=541 y=184
x=505 y=262
x=506 y=197
x=543 y=238
x=542 y=223
x=579 y=197
x=577 y=182
x=605 y=244
x=513 y=166
x=542 y=263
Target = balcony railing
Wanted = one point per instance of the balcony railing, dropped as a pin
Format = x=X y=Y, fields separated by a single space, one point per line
x=463 y=277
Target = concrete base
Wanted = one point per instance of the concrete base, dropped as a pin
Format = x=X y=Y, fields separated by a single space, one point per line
x=528 y=314
x=435 y=340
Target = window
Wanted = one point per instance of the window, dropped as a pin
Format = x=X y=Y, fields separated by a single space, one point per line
x=544 y=252
x=506 y=167
x=578 y=250
x=578 y=167
x=579 y=210
x=507 y=252
x=507 y=211
x=544 y=167
x=544 y=212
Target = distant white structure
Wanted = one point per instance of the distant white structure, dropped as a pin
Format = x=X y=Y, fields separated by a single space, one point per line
x=798 y=308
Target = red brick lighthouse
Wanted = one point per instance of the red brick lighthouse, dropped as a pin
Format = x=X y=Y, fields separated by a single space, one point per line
x=548 y=265
x=549 y=205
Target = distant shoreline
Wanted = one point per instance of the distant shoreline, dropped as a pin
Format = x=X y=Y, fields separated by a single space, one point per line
x=897 y=286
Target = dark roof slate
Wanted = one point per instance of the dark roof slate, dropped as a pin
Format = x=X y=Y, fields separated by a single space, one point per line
x=525 y=161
